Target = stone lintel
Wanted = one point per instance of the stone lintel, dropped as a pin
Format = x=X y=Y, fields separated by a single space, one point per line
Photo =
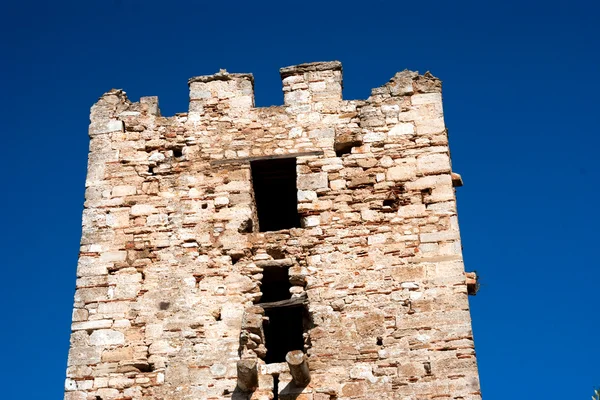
x=310 y=67
x=222 y=75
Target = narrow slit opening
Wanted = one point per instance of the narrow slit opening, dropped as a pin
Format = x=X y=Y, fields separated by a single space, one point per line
x=275 y=386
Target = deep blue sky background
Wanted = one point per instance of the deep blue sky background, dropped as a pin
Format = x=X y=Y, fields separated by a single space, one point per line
x=521 y=97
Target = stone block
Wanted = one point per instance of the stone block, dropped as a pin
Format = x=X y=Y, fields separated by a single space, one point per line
x=106 y=337
x=312 y=181
x=406 y=171
x=143 y=209
x=401 y=129
x=436 y=163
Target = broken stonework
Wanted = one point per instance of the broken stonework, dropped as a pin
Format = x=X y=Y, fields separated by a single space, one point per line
x=182 y=293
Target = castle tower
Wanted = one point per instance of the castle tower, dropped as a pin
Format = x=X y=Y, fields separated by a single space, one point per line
x=304 y=251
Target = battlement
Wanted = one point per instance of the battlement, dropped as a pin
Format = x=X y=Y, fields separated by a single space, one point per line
x=308 y=88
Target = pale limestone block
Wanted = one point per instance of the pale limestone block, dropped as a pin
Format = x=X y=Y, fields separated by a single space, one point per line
x=120 y=382
x=441 y=194
x=153 y=331
x=386 y=161
x=242 y=103
x=106 y=337
x=91 y=266
x=123 y=190
x=327 y=133
x=84 y=355
x=337 y=184
x=407 y=170
x=91 y=295
x=426 y=98
x=70 y=384
x=75 y=396
x=296 y=97
x=122 y=324
x=143 y=209
x=157 y=157
x=218 y=370
x=379 y=238
x=390 y=109
x=311 y=221
x=445 y=208
x=435 y=163
x=430 y=125
x=407 y=116
x=91 y=325
x=433 y=181
x=295 y=132
x=99 y=127
x=317 y=86
x=114 y=309
x=409 y=285
x=306 y=195
x=221 y=201
x=369 y=215
x=79 y=314
x=439 y=236
x=157 y=219
x=412 y=210
x=371 y=137
x=402 y=128
x=363 y=371
x=86 y=384
x=108 y=394
x=100 y=382
x=113 y=256
x=117 y=218
x=312 y=181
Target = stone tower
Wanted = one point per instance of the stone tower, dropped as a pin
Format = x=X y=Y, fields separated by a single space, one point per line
x=304 y=251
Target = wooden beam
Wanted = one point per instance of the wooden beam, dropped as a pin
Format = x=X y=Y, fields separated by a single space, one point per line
x=293 y=302
x=247 y=374
x=296 y=360
x=273 y=157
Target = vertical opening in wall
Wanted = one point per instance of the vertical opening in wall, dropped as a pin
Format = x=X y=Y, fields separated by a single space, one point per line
x=275 y=284
x=286 y=317
x=283 y=332
x=275 y=386
x=275 y=193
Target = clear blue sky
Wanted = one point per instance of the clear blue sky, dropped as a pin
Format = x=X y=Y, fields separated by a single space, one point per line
x=521 y=96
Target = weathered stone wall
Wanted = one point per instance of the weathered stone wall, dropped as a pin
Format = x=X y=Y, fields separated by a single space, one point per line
x=169 y=272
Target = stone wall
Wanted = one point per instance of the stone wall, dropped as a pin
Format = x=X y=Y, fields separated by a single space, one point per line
x=171 y=257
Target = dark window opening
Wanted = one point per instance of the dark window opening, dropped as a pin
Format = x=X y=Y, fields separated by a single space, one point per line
x=344 y=148
x=275 y=193
x=177 y=152
x=276 y=253
x=144 y=367
x=345 y=142
x=275 y=284
x=283 y=332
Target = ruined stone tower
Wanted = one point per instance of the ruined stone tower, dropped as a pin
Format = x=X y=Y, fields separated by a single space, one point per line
x=304 y=251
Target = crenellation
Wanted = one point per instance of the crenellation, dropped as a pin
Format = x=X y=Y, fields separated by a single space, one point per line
x=174 y=263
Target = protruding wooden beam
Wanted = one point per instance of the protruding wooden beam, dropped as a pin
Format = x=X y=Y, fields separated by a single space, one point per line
x=247 y=375
x=293 y=302
x=472 y=281
x=296 y=360
x=457 y=180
